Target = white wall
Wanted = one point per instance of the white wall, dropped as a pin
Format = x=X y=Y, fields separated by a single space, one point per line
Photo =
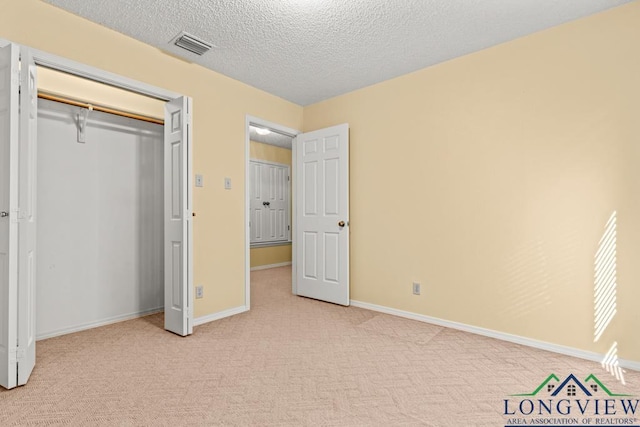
x=100 y=220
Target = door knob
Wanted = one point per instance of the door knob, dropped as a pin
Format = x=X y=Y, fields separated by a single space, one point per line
x=341 y=224
x=266 y=203
x=4 y=214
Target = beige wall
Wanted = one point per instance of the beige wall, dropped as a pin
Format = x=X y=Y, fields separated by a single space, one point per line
x=220 y=108
x=490 y=178
x=272 y=254
x=270 y=153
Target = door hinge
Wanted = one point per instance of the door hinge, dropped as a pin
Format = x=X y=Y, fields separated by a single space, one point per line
x=288 y=178
x=288 y=227
x=21 y=354
x=13 y=355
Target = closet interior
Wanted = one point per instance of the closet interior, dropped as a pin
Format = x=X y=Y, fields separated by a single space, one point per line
x=100 y=204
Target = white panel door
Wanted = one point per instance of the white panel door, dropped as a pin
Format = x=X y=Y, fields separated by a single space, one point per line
x=178 y=311
x=269 y=201
x=322 y=214
x=27 y=218
x=9 y=142
x=277 y=201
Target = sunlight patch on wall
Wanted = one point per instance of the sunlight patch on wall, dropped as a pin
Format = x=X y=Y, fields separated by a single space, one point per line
x=605 y=279
x=606 y=283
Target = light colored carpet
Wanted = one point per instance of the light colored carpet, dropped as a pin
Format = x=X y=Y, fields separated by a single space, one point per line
x=290 y=361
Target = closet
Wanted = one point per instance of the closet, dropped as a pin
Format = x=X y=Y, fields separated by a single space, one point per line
x=95 y=258
x=100 y=218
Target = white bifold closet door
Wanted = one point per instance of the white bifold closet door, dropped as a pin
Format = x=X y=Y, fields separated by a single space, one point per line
x=178 y=208
x=27 y=187
x=18 y=111
x=8 y=207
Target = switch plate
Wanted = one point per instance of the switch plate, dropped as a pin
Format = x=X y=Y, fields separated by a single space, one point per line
x=227 y=183
x=199 y=292
x=199 y=181
x=416 y=288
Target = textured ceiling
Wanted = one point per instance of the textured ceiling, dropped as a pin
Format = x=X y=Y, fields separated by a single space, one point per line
x=310 y=50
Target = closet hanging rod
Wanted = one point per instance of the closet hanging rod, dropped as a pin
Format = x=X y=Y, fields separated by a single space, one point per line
x=101 y=108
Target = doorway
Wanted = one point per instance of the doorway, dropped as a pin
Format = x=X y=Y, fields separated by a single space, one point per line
x=269 y=197
x=319 y=211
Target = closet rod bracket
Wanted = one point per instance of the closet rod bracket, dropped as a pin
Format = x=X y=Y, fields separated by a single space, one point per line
x=81 y=122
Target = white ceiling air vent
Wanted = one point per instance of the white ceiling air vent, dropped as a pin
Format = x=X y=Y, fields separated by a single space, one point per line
x=192 y=44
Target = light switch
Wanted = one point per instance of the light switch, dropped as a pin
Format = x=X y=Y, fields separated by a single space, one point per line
x=227 y=183
x=199 y=181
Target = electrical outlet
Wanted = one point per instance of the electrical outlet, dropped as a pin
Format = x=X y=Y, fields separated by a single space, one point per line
x=227 y=183
x=416 y=288
x=199 y=181
x=199 y=291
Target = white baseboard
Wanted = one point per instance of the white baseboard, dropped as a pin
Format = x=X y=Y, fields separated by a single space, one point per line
x=265 y=267
x=529 y=342
x=219 y=315
x=96 y=324
x=630 y=364
x=196 y=322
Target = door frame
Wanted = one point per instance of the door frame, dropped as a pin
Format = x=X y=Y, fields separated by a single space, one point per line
x=256 y=121
x=72 y=67
x=75 y=68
